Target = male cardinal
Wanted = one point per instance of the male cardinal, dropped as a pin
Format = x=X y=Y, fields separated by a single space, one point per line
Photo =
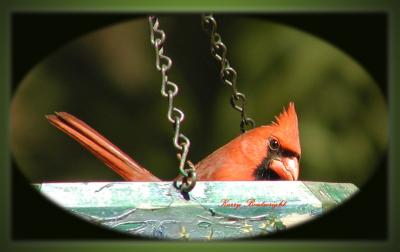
x=270 y=152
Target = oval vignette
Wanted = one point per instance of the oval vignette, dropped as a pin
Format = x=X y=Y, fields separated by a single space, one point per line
x=108 y=79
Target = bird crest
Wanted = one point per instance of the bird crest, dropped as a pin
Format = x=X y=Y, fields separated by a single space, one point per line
x=286 y=128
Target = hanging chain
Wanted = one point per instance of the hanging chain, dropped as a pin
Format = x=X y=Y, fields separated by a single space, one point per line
x=228 y=75
x=174 y=115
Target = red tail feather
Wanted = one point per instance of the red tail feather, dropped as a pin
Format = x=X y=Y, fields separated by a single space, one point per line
x=103 y=149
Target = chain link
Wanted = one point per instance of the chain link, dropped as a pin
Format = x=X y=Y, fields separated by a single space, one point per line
x=228 y=75
x=169 y=90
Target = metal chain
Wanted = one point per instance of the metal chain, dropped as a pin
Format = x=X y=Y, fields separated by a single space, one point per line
x=228 y=75
x=169 y=90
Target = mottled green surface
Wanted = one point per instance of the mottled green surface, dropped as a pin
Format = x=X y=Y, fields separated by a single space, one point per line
x=213 y=210
x=331 y=194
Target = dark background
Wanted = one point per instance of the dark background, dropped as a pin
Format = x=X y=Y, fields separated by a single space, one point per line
x=363 y=36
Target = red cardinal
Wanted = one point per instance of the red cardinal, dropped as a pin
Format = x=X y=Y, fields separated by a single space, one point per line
x=269 y=152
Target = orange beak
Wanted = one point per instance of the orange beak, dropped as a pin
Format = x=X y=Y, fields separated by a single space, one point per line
x=286 y=167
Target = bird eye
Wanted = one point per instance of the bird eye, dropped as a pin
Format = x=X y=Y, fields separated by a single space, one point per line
x=273 y=144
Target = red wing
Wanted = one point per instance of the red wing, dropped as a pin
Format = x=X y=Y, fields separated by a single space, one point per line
x=102 y=148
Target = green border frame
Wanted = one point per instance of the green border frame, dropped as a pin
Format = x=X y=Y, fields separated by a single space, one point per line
x=390 y=7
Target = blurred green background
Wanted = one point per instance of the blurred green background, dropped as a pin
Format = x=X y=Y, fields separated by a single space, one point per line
x=108 y=79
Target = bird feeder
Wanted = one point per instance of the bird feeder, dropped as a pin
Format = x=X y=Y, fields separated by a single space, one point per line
x=211 y=211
